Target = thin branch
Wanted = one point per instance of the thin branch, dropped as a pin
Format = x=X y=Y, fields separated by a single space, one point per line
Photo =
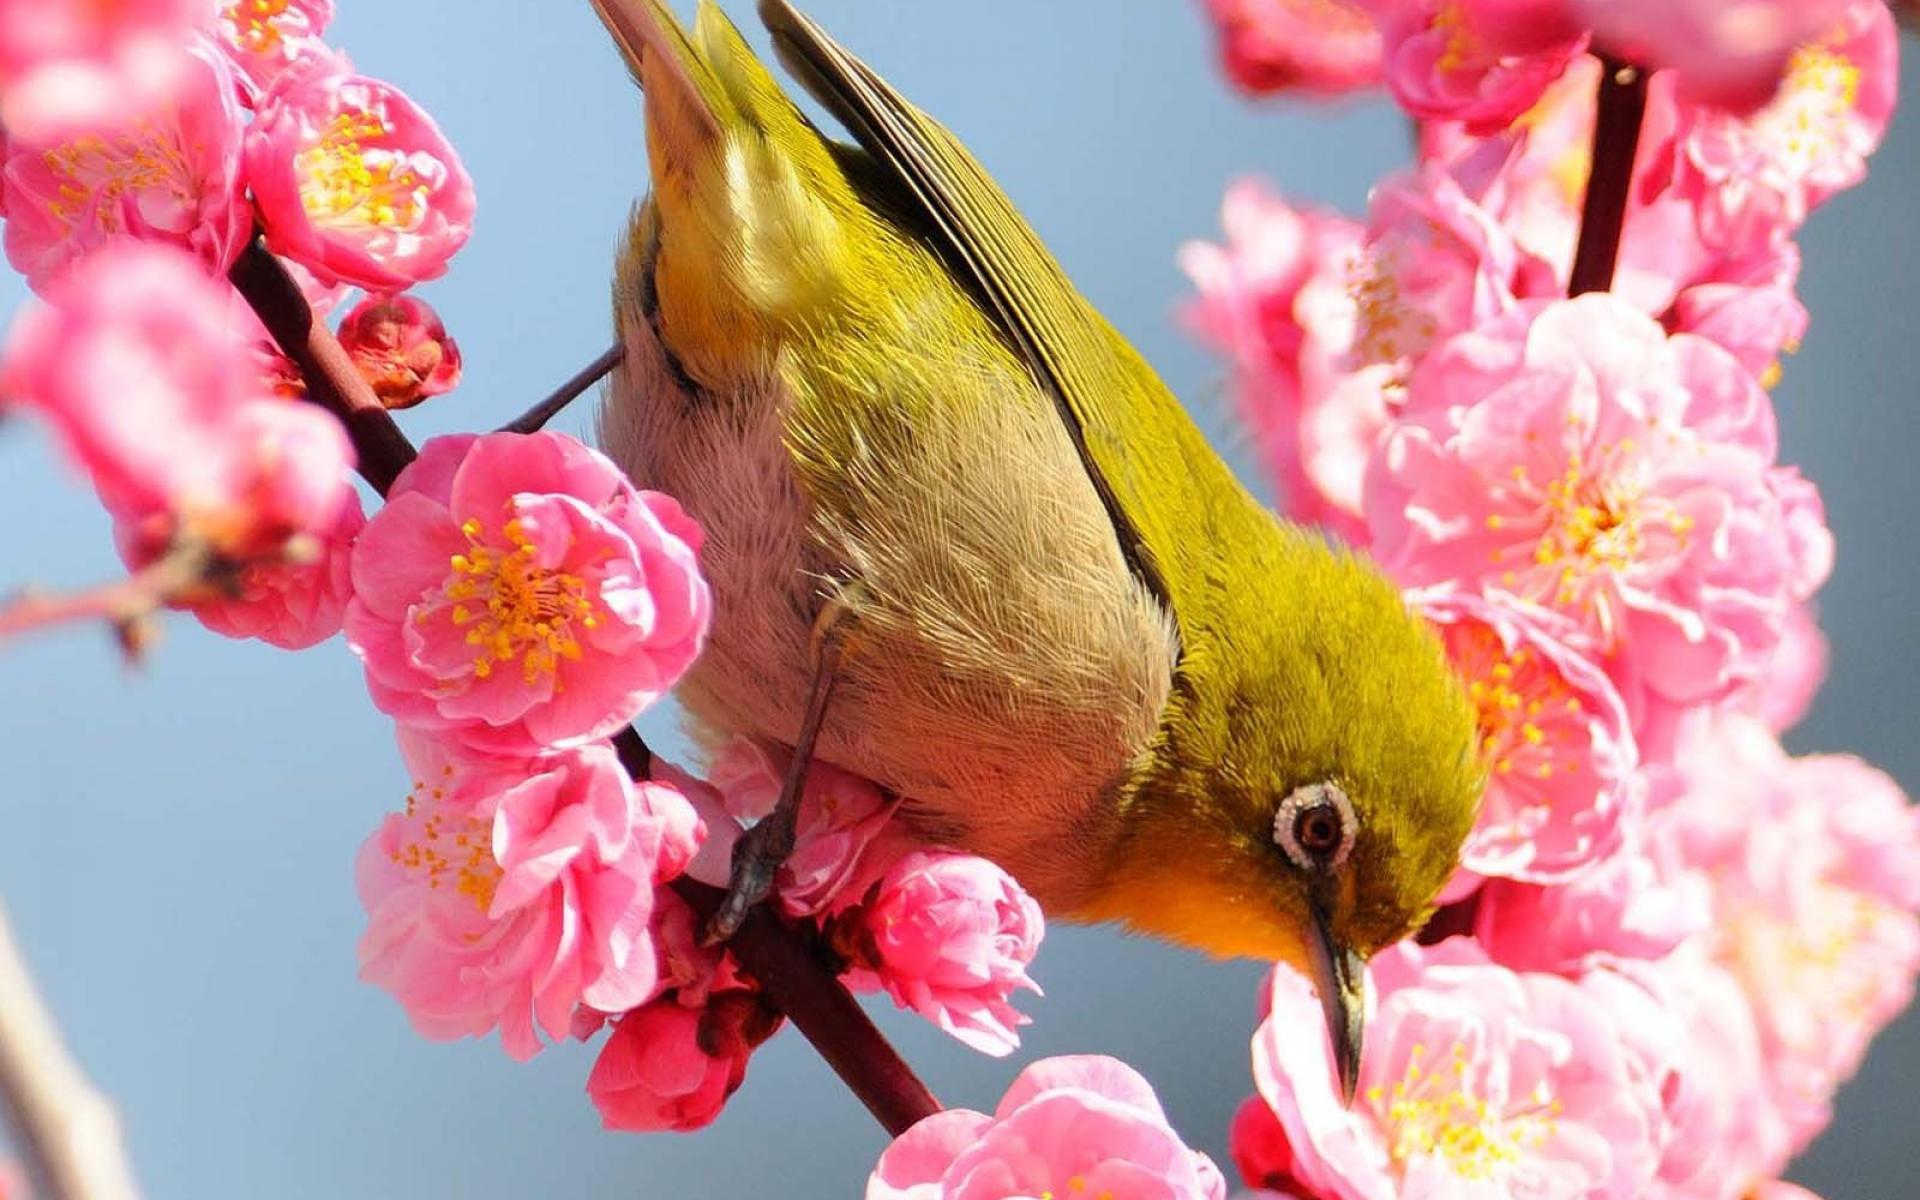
x=125 y=604
x=790 y=966
x=1621 y=105
x=68 y=1132
x=333 y=382
x=536 y=417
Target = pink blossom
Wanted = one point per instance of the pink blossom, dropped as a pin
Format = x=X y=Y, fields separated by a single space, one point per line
x=1748 y=307
x=354 y=181
x=517 y=593
x=670 y=1066
x=133 y=360
x=1325 y=326
x=1276 y=300
x=840 y=816
x=171 y=176
x=294 y=600
x=511 y=891
x=1753 y=178
x=1690 y=1040
x=1815 y=871
x=1474 y=1082
x=1320 y=47
x=1640 y=902
x=1619 y=477
x=133 y=363
x=401 y=347
x=68 y=68
x=949 y=936
x=1068 y=1126
x=1532 y=179
x=1782 y=696
x=1480 y=62
x=266 y=37
x=1727 y=54
x=1560 y=757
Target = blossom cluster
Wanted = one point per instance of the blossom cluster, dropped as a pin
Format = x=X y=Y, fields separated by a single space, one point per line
x=516 y=602
x=1670 y=941
x=152 y=141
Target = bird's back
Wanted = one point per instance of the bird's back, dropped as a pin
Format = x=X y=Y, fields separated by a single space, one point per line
x=848 y=424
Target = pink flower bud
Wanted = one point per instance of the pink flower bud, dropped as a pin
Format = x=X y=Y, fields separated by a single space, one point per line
x=950 y=937
x=667 y=1066
x=840 y=816
x=401 y=348
x=354 y=181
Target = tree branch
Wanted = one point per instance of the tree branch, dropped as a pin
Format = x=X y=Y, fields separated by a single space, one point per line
x=536 y=417
x=126 y=604
x=333 y=382
x=68 y=1132
x=790 y=966
x=1621 y=105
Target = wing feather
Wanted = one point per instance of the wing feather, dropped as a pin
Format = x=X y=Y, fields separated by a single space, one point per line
x=1139 y=447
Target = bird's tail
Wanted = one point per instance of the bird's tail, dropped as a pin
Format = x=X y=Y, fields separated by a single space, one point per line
x=743 y=225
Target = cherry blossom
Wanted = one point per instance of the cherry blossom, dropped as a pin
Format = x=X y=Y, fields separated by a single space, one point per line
x=172 y=175
x=510 y=891
x=520 y=595
x=354 y=181
x=1067 y=1127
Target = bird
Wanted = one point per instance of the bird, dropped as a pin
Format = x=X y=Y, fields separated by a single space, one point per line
x=964 y=542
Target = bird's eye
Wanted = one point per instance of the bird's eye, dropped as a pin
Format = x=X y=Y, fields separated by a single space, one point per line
x=1315 y=825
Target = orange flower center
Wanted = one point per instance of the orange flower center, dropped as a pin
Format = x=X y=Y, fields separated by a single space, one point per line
x=513 y=609
x=447 y=847
x=344 y=183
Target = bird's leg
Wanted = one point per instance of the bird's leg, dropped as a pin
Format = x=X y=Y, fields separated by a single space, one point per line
x=761 y=850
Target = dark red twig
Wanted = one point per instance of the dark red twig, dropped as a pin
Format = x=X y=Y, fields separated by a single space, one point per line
x=790 y=966
x=536 y=417
x=332 y=380
x=1622 y=103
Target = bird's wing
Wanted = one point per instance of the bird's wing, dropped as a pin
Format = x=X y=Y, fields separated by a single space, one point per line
x=1167 y=493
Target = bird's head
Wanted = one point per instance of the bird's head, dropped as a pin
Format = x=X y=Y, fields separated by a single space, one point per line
x=1315 y=779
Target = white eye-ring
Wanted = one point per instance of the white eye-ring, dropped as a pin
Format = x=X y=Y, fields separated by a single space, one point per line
x=1315 y=825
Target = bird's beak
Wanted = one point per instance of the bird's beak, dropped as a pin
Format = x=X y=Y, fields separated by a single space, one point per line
x=1340 y=976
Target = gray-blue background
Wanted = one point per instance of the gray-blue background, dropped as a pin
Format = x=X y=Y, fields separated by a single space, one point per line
x=175 y=845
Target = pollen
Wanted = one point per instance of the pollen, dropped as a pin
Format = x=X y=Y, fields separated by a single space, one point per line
x=96 y=175
x=345 y=182
x=511 y=609
x=452 y=850
x=1812 y=115
x=1433 y=1112
x=253 y=24
x=1389 y=329
x=1589 y=524
x=1528 y=717
x=1463 y=49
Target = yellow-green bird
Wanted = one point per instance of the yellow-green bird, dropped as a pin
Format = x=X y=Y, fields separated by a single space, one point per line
x=965 y=543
